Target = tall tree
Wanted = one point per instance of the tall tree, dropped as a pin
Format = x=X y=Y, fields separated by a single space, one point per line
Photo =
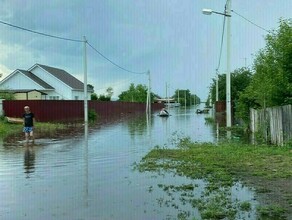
x=135 y=94
x=109 y=92
x=271 y=84
x=90 y=87
x=240 y=79
x=184 y=97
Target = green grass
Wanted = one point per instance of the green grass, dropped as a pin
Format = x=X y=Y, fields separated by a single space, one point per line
x=9 y=129
x=271 y=212
x=221 y=166
x=222 y=160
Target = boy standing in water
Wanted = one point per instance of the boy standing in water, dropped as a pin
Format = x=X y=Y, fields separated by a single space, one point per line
x=28 y=120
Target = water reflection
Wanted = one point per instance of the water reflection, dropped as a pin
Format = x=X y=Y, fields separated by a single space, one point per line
x=29 y=160
x=85 y=156
x=139 y=125
x=91 y=176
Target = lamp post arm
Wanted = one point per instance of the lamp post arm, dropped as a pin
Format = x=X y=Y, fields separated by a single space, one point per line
x=219 y=13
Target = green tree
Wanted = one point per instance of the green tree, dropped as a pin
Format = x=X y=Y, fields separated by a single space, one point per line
x=90 y=87
x=7 y=95
x=93 y=96
x=271 y=84
x=103 y=97
x=109 y=92
x=184 y=97
x=135 y=94
x=240 y=79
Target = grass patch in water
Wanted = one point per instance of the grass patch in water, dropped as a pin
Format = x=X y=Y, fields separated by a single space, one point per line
x=271 y=212
x=245 y=206
x=221 y=161
x=221 y=166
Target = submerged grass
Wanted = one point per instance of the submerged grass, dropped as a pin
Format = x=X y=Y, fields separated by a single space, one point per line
x=222 y=161
x=221 y=166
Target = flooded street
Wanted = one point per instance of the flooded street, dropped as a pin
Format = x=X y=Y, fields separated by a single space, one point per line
x=95 y=178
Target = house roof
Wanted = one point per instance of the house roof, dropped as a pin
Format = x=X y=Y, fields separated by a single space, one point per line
x=63 y=76
x=60 y=74
x=36 y=79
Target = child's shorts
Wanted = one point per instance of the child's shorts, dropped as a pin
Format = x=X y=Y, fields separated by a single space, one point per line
x=27 y=129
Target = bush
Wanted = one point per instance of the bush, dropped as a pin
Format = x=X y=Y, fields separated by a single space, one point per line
x=92 y=115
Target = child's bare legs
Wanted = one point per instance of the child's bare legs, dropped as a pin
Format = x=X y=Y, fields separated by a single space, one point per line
x=26 y=136
x=31 y=136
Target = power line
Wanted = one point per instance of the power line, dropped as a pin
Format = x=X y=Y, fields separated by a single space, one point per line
x=251 y=21
x=40 y=33
x=222 y=39
x=114 y=62
x=221 y=46
x=69 y=39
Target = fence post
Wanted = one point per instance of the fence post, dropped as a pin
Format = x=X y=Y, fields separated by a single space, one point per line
x=1 y=107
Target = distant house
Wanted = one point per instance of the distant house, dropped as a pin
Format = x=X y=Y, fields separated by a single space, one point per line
x=44 y=82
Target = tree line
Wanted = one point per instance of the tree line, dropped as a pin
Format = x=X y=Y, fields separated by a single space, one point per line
x=139 y=92
x=268 y=82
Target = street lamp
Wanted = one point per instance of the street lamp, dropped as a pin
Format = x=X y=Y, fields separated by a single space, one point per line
x=228 y=83
x=207 y=11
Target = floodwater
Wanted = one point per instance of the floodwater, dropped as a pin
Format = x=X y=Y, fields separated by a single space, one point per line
x=93 y=177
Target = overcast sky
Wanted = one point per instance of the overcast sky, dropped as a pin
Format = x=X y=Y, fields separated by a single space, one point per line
x=171 y=38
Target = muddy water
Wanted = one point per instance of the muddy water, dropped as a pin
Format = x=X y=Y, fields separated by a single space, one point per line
x=94 y=178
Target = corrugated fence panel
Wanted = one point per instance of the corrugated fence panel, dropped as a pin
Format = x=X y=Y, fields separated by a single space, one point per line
x=72 y=110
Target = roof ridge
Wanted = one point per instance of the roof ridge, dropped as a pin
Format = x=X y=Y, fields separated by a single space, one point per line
x=36 y=79
x=50 y=66
x=63 y=76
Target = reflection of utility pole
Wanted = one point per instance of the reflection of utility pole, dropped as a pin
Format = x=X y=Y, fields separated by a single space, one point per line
x=85 y=155
x=148 y=101
x=190 y=99
x=166 y=94
x=185 y=98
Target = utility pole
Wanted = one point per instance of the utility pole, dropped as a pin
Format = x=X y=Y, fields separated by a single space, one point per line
x=85 y=82
x=217 y=86
x=185 y=98
x=228 y=78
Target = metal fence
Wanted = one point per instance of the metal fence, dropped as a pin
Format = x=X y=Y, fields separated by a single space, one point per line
x=273 y=124
x=73 y=110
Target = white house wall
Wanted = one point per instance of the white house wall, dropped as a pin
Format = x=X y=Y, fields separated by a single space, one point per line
x=53 y=95
x=61 y=89
x=80 y=95
x=20 y=81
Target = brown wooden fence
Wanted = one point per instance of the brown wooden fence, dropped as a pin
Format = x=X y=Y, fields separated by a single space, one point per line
x=73 y=110
x=274 y=124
